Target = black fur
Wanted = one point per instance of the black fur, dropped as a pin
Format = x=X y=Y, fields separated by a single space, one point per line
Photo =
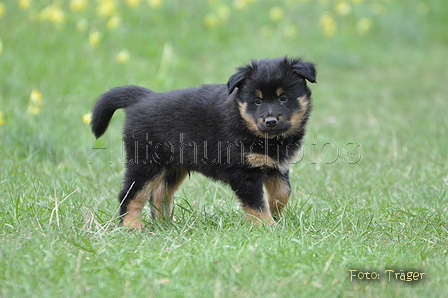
x=244 y=134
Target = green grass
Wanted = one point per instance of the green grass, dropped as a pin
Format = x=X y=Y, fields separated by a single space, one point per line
x=381 y=97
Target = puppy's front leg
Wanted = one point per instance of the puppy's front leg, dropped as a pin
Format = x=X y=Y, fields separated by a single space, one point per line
x=249 y=191
x=278 y=190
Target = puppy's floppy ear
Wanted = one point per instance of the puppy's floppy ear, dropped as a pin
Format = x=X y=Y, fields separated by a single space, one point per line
x=306 y=70
x=236 y=80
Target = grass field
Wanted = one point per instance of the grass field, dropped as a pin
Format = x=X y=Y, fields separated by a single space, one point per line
x=369 y=194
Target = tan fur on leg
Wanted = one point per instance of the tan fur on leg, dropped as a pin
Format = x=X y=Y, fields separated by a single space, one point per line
x=171 y=190
x=133 y=217
x=258 y=216
x=161 y=203
x=278 y=192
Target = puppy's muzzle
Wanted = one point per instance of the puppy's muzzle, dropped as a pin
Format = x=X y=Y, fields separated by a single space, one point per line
x=271 y=122
x=273 y=126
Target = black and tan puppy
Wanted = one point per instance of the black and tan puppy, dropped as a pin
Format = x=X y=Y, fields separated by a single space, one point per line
x=245 y=134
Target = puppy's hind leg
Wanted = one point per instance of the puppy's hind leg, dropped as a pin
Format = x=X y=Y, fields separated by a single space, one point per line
x=138 y=186
x=162 y=196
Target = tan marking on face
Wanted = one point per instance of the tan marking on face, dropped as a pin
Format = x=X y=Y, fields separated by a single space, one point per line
x=279 y=91
x=250 y=123
x=258 y=216
x=278 y=195
x=259 y=94
x=260 y=160
x=304 y=101
x=296 y=118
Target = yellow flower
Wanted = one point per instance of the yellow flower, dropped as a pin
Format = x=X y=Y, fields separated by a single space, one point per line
x=343 y=8
x=217 y=18
x=2 y=9
x=78 y=5
x=241 y=4
x=86 y=118
x=35 y=103
x=54 y=14
x=223 y=12
x=363 y=26
x=106 y=8
x=155 y=4
x=113 y=22
x=123 y=56
x=276 y=13
x=2 y=121
x=36 y=98
x=210 y=20
x=328 y=24
x=291 y=31
x=24 y=4
x=133 y=3
x=94 y=38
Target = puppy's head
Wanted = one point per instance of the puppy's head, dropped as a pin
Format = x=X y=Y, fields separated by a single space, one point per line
x=273 y=96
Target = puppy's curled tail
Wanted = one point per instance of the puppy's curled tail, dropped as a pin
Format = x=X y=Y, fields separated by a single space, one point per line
x=114 y=99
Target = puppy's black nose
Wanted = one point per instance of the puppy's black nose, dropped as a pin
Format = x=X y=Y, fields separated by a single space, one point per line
x=270 y=122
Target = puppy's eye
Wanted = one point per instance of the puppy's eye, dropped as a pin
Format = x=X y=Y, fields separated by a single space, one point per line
x=258 y=101
x=283 y=98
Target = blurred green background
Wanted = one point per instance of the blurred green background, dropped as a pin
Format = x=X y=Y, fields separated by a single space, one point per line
x=371 y=55
x=381 y=98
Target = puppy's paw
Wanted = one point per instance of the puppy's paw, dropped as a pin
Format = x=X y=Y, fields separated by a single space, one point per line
x=135 y=223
